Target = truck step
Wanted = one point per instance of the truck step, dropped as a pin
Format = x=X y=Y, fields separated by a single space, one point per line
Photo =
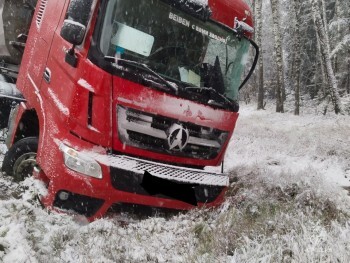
x=168 y=172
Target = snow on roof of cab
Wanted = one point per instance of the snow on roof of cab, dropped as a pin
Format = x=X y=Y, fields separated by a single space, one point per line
x=200 y=2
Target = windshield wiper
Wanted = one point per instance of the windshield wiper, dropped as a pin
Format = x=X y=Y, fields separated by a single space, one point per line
x=171 y=86
x=225 y=100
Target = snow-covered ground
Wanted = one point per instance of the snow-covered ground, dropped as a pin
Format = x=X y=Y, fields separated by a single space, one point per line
x=286 y=203
x=287 y=143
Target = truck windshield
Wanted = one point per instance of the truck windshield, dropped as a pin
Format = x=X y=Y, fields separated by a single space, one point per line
x=175 y=45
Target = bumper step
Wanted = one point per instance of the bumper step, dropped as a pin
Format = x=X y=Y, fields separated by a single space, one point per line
x=168 y=172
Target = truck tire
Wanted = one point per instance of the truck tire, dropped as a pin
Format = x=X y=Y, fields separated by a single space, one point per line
x=20 y=159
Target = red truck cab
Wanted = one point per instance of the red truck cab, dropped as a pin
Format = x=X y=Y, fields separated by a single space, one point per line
x=125 y=102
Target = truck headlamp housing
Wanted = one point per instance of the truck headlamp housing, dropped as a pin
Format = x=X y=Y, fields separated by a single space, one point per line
x=80 y=163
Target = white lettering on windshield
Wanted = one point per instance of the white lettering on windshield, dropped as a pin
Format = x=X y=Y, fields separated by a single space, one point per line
x=200 y=30
x=203 y=31
x=218 y=38
x=179 y=19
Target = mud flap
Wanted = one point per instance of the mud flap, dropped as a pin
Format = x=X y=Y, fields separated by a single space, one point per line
x=5 y=109
x=179 y=191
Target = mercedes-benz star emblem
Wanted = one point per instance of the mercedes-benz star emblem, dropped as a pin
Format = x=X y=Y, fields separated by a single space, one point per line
x=178 y=137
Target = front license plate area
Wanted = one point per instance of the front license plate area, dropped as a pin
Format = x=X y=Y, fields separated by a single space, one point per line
x=179 y=191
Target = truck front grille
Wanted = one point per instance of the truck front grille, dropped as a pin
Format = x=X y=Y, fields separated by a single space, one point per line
x=165 y=135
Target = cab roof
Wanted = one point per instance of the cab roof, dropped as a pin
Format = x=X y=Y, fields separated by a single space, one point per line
x=225 y=11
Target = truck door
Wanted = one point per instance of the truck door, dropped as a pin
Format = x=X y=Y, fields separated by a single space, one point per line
x=45 y=22
x=62 y=83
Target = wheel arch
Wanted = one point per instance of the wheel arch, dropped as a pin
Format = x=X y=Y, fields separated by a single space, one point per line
x=28 y=126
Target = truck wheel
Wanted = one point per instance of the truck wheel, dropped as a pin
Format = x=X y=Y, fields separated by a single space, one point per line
x=20 y=159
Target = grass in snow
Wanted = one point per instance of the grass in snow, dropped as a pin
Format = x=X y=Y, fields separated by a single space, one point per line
x=263 y=221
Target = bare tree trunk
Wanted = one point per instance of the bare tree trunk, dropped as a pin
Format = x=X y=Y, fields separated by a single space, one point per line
x=258 y=12
x=325 y=23
x=324 y=44
x=297 y=57
x=335 y=59
x=322 y=67
x=348 y=84
x=280 y=91
x=292 y=67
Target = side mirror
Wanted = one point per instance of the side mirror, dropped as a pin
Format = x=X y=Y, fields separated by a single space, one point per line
x=79 y=11
x=77 y=17
x=74 y=26
x=73 y=32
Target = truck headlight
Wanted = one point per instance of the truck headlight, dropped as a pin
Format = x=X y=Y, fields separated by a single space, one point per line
x=80 y=163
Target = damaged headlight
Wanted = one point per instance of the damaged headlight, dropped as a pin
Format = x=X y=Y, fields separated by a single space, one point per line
x=80 y=163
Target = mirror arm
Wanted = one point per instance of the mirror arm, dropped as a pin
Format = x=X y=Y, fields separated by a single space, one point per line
x=71 y=58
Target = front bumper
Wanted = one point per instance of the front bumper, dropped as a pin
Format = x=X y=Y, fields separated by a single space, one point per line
x=167 y=172
x=128 y=180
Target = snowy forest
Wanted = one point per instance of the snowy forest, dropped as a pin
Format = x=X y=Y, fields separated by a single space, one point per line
x=305 y=55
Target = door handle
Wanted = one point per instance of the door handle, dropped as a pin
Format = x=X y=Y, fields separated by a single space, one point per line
x=47 y=75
